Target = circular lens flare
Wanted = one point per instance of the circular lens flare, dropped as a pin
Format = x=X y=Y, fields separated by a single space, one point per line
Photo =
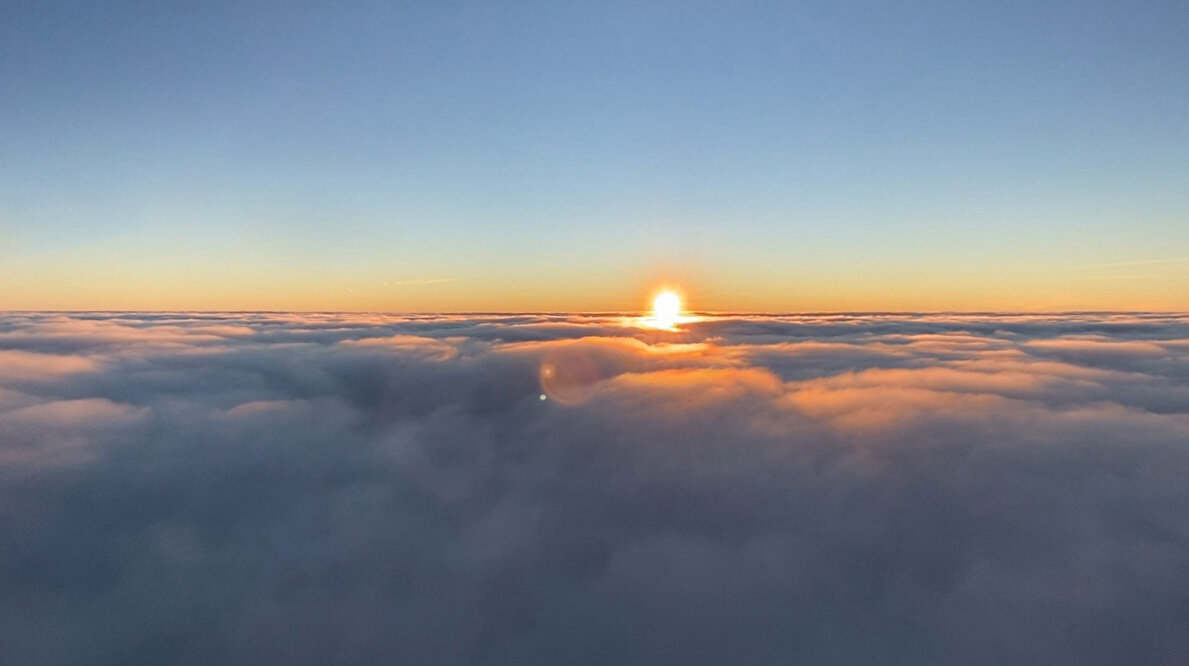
x=666 y=309
x=569 y=376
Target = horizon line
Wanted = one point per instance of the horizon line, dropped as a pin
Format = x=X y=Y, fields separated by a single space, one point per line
x=709 y=313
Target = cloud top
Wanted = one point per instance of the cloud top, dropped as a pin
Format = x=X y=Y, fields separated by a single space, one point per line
x=253 y=488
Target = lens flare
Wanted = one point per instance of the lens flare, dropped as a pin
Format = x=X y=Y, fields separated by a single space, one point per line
x=569 y=376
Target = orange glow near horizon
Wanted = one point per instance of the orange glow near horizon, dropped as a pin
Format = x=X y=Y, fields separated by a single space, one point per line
x=174 y=279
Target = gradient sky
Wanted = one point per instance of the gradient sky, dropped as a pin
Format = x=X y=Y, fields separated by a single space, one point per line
x=571 y=156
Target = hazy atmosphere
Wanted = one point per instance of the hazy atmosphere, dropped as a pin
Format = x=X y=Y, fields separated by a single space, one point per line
x=522 y=156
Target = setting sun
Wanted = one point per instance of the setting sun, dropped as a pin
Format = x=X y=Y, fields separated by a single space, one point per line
x=666 y=309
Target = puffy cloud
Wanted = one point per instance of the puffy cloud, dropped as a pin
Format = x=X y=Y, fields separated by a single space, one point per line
x=371 y=489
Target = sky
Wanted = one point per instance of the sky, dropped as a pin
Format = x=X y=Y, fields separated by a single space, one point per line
x=482 y=490
x=529 y=156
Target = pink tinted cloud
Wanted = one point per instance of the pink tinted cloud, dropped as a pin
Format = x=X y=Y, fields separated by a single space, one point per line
x=17 y=365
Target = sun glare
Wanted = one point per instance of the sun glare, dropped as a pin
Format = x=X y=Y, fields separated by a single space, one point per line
x=666 y=309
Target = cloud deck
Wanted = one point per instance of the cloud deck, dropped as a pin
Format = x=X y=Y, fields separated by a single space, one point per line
x=367 y=489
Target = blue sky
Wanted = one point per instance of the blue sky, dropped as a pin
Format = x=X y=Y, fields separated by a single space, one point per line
x=543 y=155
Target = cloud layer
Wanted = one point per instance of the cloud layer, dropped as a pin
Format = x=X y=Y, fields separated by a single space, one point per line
x=541 y=489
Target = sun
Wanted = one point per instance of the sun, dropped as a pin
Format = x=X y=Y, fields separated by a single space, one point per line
x=666 y=309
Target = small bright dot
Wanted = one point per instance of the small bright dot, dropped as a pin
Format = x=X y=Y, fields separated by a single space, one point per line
x=542 y=396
